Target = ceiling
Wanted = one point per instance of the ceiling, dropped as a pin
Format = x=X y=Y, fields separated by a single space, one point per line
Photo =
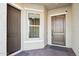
x=50 y=6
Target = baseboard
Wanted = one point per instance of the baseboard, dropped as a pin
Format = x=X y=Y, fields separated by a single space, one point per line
x=56 y=45
x=15 y=53
x=30 y=45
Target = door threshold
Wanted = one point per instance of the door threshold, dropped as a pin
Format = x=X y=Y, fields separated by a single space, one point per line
x=13 y=54
x=57 y=45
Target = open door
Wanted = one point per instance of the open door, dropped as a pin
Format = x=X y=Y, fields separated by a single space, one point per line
x=58 y=29
x=13 y=29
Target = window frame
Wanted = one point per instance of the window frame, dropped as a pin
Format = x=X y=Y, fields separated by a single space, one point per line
x=30 y=25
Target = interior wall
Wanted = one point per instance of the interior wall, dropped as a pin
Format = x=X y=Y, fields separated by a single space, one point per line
x=47 y=31
x=3 y=17
x=59 y=11
x=33 y=43
x=29 y=44
x=75 y=28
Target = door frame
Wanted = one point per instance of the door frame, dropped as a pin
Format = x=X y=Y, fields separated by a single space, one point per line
x=49 y=29
x=19 y=8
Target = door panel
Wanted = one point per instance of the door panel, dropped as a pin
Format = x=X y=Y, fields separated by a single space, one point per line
x=58 y=29
x=13 y=29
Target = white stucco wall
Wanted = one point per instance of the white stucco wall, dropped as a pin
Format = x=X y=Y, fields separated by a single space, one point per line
x=27 y=43
x=75 y=28
x=33 y=43
x=60 y=11
x=3 y=17
x=45 y=25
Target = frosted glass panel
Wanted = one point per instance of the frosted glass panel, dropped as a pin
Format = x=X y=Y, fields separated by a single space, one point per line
x=34 y=22
x=34 y=19
x=34 y=32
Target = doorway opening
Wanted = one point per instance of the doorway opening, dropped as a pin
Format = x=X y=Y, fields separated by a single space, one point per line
x=58 y=30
